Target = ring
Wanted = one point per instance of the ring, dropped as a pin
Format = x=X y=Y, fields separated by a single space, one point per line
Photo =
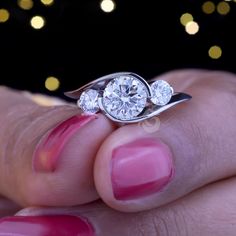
x=126 y=97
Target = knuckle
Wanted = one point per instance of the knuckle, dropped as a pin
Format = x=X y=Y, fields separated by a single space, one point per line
x=170 y=222
x=163 y=222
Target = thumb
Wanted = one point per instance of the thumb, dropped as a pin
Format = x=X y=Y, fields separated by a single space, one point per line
x=47 y=153
x=140 y=167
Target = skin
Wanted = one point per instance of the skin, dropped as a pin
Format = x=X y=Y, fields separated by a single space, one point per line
x=200 y=198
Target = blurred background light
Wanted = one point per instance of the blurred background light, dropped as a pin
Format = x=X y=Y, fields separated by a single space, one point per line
x=107 y=5
x=37 y=22
x=47 y=2
x=215 y=52
x=192 y=27
x=62 y=30
x=4 y=15
x=208 y=7
x=25 y=4
x=52 y=83
x=186 y=18
x=223 y=8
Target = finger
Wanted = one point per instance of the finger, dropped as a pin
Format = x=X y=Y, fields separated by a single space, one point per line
x=208 y=211
x=47 y=153
x=7 y=207
x=139 y=168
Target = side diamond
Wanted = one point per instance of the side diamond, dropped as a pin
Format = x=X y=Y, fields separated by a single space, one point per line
x=88 y=101
x=161 y=92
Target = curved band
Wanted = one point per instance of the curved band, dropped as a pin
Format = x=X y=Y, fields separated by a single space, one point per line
x=140 y=99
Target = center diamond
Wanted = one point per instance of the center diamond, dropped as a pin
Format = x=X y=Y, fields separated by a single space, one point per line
x=125 y=97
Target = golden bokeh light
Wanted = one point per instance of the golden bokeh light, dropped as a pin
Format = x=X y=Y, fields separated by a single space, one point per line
x=215 y=52
x=107 y=5
x=47 y=2
x=25 y=4
x=223 y=8
x=192 y=27
x=52 y=83
x=186 y=18
x=208 y=7
x=37 y=22
x=4 y=15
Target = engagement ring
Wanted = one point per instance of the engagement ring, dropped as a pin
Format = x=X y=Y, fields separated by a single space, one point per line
x=126 y=97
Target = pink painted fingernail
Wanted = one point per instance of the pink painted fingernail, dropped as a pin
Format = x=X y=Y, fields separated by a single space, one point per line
x=51 y=145
x=140 y=168
x=45 y=225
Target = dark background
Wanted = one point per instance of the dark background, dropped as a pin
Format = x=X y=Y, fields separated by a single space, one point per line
x=80 y=42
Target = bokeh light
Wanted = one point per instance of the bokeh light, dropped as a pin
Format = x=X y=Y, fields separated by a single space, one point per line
x=4 y=15
x=215 y=52
x=192 y=27
x=186 y=18
x=37 y=22
x=47 y=2
x=52 y=83
x=25 y=4
x=208 y=7
x=223 y=8
x=107 y=5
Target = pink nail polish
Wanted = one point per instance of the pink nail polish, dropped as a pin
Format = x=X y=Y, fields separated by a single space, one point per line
x=140 y=168
x=45 y=226
x=51 y=145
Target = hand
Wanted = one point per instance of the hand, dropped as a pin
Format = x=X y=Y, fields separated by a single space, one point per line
x=185 y=180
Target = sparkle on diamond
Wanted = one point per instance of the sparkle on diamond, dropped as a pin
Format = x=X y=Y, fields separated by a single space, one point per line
x=88 y=101
x=125 y=97
x=162 y=92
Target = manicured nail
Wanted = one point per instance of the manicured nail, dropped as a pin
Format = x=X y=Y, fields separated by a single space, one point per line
x=140 y=168
x=51 y=145
x=45 y=225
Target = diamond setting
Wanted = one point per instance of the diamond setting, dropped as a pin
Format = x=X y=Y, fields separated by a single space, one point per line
x=161 y=92
x=125 y=97
x=88 y=101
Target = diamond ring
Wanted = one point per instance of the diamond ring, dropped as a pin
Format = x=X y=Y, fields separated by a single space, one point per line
x=126 y=97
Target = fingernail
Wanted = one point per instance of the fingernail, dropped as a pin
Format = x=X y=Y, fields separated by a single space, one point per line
x=45 y=225
x=140 y=168
x=51 y=145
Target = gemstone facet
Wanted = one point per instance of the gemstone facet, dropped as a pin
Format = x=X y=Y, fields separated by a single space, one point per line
x=125 y=97
x=88 y=101
x=161 y=92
